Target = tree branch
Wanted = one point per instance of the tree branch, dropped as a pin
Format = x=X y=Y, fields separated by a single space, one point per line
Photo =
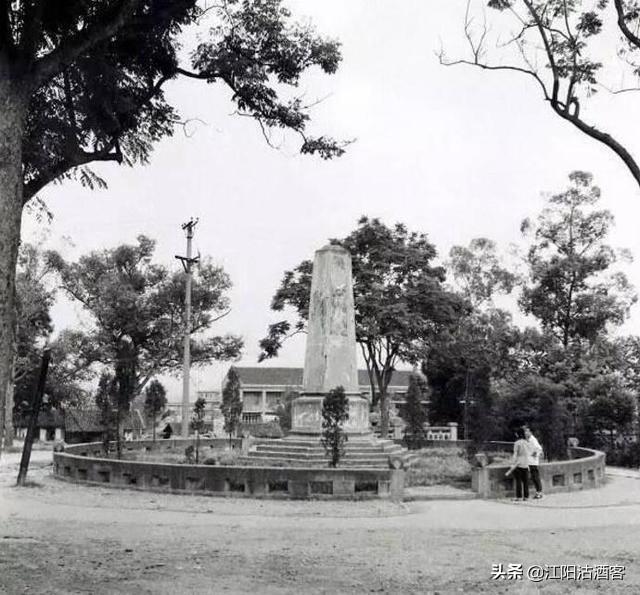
x=54 y=62
x=603 y=137
x=622 y=24
x=76 y=159
x=531 y=73
x=32 y=27
x=6 y=37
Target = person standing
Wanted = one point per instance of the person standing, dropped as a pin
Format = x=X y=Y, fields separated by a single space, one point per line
x=520 y=466
x=535 y=455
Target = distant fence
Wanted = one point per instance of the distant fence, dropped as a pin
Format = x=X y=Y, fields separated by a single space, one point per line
x=81 y=463
x=586 y=469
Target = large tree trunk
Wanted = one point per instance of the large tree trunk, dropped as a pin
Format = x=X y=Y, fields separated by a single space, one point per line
x=12 y=120
x=9 y=432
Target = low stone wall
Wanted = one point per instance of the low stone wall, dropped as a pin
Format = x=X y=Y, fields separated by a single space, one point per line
x=81 y=464
x=586 y=469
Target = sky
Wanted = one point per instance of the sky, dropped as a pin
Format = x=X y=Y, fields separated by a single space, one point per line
x=454 y=152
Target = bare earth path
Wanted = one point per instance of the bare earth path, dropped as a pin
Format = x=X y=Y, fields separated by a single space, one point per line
x=61 y=538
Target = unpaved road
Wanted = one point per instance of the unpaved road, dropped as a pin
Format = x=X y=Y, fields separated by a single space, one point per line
x=60 y=538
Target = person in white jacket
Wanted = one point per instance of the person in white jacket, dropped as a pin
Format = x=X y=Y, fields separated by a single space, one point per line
x=535 y=455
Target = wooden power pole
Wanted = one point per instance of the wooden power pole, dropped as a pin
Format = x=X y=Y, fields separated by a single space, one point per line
x=33 y=421
x=187 y=262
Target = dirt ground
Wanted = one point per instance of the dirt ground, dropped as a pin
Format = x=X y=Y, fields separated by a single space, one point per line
x=61 y=538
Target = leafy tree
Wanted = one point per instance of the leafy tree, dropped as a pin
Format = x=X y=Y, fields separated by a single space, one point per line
x=335 y=411
x=537 y=402
x=400 y=302
x=557 y=44
x=283 y=411
x=464 y=361
x=231 y=406
x=82 y=81
x=414 y=412
x=197 y=422
x=155 y=402
x=104 y=401
x=571 y=289
x=479 y=272
x=34 y=299
x=610 y=412
x=462 y=366
x=137 y=311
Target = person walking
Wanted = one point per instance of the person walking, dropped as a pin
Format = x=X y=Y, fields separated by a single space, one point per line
x=535 y=455
x=520 y=466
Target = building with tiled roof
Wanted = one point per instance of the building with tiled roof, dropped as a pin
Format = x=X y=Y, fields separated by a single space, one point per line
x=262 y=389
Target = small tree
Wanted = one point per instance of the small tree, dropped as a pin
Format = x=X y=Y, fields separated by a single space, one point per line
x=104 y=402
x=197 y=422
x=155 y=402
x=335 y=411
x=414 y=413
x=537 y=402
x=231 y=404
x=283 y=411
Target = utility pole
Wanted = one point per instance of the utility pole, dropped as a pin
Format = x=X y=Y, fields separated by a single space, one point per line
x=33 y=420
x=187 y=262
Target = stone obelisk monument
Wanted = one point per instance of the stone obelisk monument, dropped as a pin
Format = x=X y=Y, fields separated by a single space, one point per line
x=330 y=359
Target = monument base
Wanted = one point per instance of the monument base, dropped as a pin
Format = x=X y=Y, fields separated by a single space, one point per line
x=306 y=415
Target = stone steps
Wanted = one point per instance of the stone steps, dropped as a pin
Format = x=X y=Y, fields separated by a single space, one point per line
x=318 y=456
x=295 y=451
x=264 y=449
x=354 y=464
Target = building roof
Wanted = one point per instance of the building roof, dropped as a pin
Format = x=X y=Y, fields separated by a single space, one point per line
x=88 y=420
x=265 y=376
x=46 y=419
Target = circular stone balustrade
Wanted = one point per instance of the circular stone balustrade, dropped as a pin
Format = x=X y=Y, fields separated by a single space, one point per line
x=84 y=463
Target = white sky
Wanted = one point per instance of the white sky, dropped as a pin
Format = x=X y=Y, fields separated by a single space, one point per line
x=453 y=152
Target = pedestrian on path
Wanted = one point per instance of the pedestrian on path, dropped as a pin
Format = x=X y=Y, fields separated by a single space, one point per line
x=520 y=466
x=535 y=455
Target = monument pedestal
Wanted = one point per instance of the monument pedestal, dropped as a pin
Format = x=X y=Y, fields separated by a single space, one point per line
x=306 y=415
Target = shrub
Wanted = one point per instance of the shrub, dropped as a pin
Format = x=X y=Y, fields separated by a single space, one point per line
x=269 y=429
x=437 y=466
x=335 y=411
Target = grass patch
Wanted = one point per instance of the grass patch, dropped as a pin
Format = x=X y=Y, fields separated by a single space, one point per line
x=440 y=466
x=222 y=456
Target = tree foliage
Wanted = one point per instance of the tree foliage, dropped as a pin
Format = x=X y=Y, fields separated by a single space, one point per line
x=231 y=406
x=559 y=45
x=68 y=369
x=479 y=273
x=104 y=398
x=335 y=411
x=197 y=422
x=414 y=412
x=571 y=290
x=97 y=71
x=155 y=402
x=284 y=410
x=537 y=402
x=399 y=298
x=137 y=310
x=83 y=82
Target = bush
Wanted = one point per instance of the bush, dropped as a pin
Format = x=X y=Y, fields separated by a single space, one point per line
x=270 y=429
x=437 y=466
x=623 y=455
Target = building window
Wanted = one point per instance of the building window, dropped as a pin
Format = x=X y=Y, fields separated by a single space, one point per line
x=252 y=401
x=274 y=398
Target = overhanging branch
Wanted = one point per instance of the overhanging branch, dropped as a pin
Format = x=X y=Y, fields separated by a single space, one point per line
x=51 y=64
x=632 y=38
